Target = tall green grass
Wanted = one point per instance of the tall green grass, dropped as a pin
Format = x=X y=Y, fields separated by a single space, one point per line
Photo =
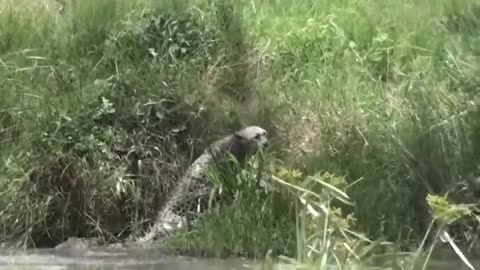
x=381 y=84
x=105 y=104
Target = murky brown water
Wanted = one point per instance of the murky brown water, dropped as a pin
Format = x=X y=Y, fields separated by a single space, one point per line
x=141 y=259
x=444 y=258
x=52 y=259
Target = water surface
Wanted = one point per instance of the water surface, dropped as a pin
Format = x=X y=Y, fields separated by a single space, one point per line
x=131 y=259
x=149 y=259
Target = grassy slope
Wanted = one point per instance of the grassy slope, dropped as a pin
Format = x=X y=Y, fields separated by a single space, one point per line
x=384 y=92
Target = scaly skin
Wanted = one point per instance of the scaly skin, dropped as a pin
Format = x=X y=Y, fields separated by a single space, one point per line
x=193 y=189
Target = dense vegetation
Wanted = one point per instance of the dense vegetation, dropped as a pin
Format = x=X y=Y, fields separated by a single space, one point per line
x=105 y=103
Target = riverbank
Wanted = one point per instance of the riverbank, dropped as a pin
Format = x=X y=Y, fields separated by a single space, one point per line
x=104 y=105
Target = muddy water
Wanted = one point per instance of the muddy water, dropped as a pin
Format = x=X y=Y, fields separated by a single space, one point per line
x=444 y=258
x=51 y=259
x=141 y=259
